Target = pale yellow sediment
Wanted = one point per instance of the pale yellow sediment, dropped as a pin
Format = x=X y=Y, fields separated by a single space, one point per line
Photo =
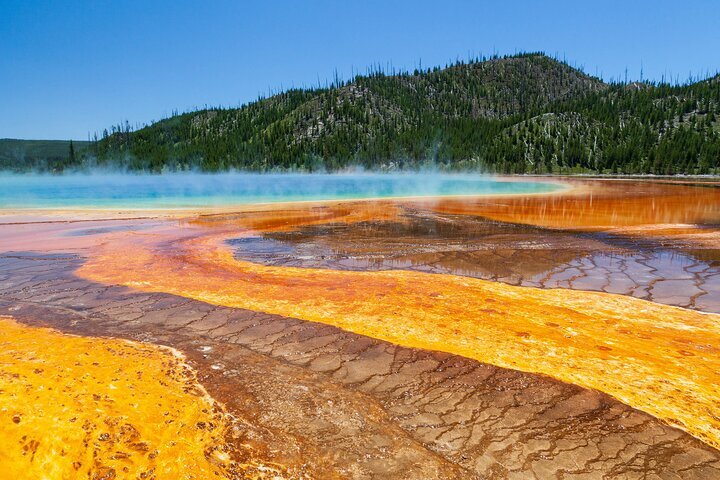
x=77 y=407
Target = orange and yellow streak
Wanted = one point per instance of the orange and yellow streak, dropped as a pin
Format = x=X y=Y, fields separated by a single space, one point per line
x=660 y=359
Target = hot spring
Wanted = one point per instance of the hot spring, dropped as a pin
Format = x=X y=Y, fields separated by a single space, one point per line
x=188 y=190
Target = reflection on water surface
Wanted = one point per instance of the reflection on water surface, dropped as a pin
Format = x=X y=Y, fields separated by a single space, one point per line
x=511 y=253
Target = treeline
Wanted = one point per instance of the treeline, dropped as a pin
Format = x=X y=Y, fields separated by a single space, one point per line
x=521 y=114
x=40 y=155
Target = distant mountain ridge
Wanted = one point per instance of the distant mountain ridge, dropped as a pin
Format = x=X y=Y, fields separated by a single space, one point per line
x=526 y=113
x=16 y=154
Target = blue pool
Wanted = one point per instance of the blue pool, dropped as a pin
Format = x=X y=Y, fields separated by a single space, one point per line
x=182 y=190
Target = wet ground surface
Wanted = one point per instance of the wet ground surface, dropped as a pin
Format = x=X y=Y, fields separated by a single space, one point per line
x=326 y=403
x=320 y=402
x=511 y=253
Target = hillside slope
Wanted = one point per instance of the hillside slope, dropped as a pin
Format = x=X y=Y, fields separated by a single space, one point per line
x=38 y=154
x=522 y=114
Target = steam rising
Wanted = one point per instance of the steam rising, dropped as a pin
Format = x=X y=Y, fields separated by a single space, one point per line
x=200 y=189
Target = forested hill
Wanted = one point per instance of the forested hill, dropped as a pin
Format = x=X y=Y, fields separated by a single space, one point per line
x=522 y=114
x=52 y=155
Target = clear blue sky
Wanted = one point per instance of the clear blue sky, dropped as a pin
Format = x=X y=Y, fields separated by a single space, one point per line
x=69 y=67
